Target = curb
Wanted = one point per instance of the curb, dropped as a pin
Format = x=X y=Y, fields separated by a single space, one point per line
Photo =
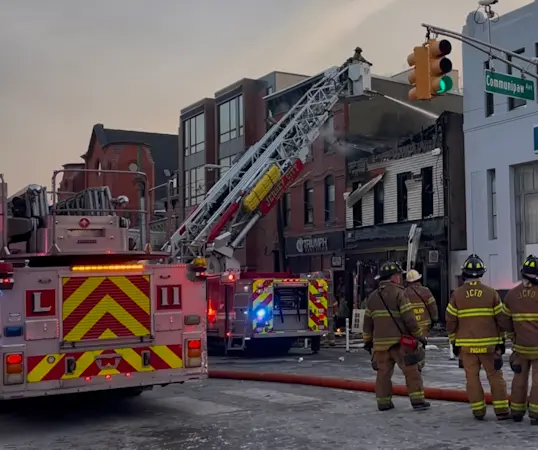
x=450 y=395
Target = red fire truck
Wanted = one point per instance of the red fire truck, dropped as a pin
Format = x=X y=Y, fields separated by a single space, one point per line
x=80 y=311
x=265 y=313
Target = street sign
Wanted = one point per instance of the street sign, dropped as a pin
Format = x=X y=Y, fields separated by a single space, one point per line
x=500 y=83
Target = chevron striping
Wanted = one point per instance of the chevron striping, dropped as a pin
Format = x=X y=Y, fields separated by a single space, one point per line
x=114 y=309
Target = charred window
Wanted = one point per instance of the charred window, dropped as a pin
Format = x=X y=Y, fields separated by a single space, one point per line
x=379 y=203
x=402 y=203
x=427 y=192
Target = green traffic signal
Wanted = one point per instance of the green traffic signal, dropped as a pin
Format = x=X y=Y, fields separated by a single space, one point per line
x=445 y=85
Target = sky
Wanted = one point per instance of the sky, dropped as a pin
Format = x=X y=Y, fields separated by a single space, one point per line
x=133 y=64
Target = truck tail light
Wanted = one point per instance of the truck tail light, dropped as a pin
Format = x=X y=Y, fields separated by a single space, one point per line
x=6 y=276
x=194 y=353
x=13 y=368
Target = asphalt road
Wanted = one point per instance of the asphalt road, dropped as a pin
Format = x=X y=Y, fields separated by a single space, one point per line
x=234 y=415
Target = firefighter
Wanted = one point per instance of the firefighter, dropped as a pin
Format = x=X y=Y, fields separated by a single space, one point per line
x=475 y=322
x=521 y=311
x=423 y=303
x=392 y=332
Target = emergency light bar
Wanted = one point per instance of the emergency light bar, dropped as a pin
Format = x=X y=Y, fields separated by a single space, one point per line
x=113 y=267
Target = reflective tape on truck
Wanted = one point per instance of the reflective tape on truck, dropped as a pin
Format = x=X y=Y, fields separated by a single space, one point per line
x=318 y=305
x=71 y=365
x=262 y=306
x=105 y=307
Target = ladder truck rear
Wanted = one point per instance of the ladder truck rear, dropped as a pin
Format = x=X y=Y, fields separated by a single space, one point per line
x=247 y=192
x=80 y=311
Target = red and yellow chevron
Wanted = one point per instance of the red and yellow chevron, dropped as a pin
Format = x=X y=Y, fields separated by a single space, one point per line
x=318 y=305
x=105 y=307
x=263 y=299
x=103 y=362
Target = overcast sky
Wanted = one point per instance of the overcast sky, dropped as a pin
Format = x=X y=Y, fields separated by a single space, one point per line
x=133 y=64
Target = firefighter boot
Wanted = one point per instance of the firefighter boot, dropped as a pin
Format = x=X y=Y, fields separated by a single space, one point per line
x=422 y=406
x=385 y=407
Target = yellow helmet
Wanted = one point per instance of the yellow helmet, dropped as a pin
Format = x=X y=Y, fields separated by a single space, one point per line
x=413 y=276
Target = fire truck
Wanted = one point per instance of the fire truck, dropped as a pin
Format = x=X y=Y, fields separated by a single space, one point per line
x=266 y=312
x=80 y=311
x=243 y=309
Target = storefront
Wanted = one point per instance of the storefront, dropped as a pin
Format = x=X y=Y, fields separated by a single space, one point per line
x=368 y=247
x=316 y=252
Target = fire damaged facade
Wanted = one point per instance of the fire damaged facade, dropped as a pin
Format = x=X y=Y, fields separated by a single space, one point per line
x=416 y=180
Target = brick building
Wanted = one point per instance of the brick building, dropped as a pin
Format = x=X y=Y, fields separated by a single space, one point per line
x=110 y=149
x=213 y=133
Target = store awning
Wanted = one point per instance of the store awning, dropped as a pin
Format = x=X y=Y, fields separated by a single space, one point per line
x=360 y=192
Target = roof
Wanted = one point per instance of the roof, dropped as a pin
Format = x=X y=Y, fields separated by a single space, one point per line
x=306 y=82
x=164 y=147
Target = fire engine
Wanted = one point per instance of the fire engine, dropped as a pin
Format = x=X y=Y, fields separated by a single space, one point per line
x=266 y=312
x=80 y=311
x=245 y=309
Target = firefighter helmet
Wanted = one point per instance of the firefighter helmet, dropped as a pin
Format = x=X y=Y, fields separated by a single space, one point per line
x=388 y=269
x=413 y=276
x=529 y=269
x=473 y=267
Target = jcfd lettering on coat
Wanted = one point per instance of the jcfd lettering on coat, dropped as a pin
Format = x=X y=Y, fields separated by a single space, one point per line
x=473 y=293
x=527 y=293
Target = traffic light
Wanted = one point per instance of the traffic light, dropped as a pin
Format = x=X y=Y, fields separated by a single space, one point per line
x=440 y=66
x=419 y=77
x=431 y=67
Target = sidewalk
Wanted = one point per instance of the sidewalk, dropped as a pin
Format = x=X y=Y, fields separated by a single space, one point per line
x=359 y=342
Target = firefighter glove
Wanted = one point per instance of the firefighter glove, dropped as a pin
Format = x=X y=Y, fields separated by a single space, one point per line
x=456 y=350
x=498 y=363
x=368 y=346
x=501 y=348
x=423 y=341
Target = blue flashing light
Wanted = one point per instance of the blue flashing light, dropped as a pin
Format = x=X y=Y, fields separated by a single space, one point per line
x=260 y=314
x=13 y=331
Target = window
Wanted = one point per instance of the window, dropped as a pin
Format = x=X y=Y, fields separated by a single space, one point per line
x=401 y=187
x=308 y=202
x=492 y=195
x=514 y=103
x=225 y=164
x=531 y=218
x=357 y=208
x=231 y=119
x=328 y=136
x=330 y=200
x=427 y=192
x=379 y=203
x=194 y=135
x=286 y=209
x=489 y=100
x=194 y=186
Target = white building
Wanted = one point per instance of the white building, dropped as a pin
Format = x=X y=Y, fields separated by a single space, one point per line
x=501 y=152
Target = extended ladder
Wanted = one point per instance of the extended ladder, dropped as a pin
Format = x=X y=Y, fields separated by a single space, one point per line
x=30 y=201
x=221 y=215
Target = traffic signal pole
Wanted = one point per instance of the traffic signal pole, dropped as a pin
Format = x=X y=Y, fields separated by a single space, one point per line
x=485 y=47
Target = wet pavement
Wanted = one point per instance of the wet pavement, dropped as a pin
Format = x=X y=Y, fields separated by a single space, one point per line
x=234 y=415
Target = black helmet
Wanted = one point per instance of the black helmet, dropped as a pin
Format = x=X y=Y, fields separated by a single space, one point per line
x=529 y=269
x=388 y=269
x=473 y=267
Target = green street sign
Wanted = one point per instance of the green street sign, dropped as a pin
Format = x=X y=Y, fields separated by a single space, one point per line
x=500 y=83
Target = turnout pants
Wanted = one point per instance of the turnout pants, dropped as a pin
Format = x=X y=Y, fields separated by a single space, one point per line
x=386 y=360
x=520 y=403
x=472 y=363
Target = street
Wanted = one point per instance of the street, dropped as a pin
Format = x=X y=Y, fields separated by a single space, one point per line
x=223 y=414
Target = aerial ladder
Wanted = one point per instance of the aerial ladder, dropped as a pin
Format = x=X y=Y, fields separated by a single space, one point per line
x=254 y=184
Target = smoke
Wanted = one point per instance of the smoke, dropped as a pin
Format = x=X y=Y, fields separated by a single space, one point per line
x=334 y=141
